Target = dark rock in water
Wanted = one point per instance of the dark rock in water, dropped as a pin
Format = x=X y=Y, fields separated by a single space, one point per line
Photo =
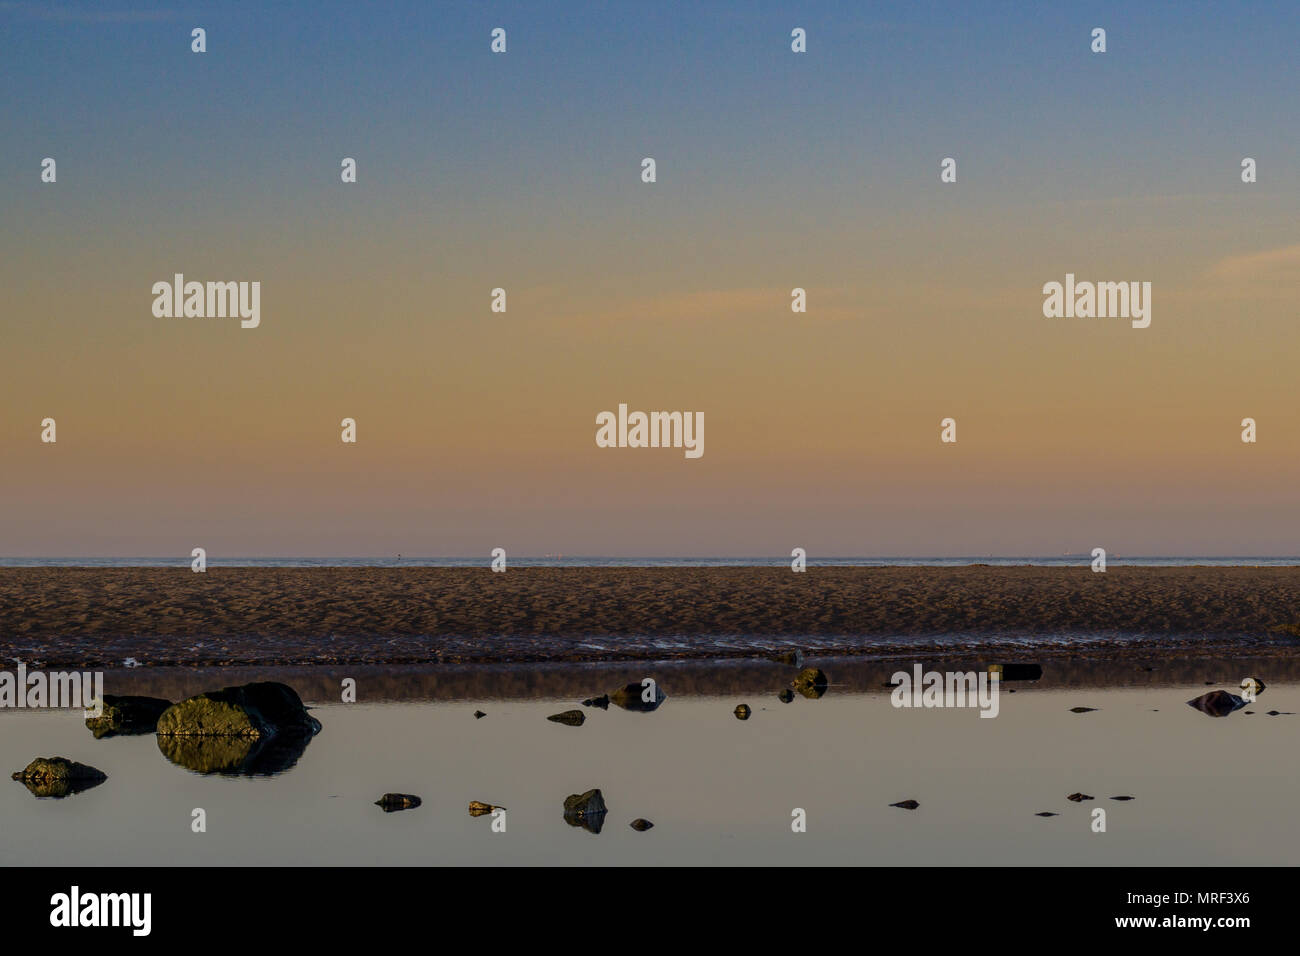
x=634 y=697
x=602 y=702
x=794 y=658
x=570 y=718
x=251 y=730
x=1080 y=797
x=906 y=804
x=479 y=715
x=785 y=696
x=586 y=810
x=811 y=682
x=127 y=716
x=1082 y=710
x=390 y=802
x=1047 y=813
x=1122 y=798
x=258 y=710
x=1217 y=703
x=743 y=712
x=477 y=808
x=641 y=825
x=1253 y=685
x=58 y=777
x=1017 y=671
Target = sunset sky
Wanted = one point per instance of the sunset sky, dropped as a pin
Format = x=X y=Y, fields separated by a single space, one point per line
x=775 y=170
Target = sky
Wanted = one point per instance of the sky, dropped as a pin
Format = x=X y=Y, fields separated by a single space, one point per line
x=522 y=171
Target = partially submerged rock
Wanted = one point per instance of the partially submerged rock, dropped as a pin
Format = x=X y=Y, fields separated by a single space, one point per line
x=602 y=702
x=1080 y=797
x=586 y=810
x=479 y=715
x=1082 y=710
x=639 y=697
x=256 y=710
x=906 y=804
x=570 y=718
x=58 y=777
x=391 y=802
x=1007 y=672
x=1252 y=686
x=127 y=716
x=1047 y=813
x=640 y=825
x=250 y=730
x=811 y=682
x=743 y=712
x=785 y=696
x=1217 y=703
x=793 y=657
x=478 y=808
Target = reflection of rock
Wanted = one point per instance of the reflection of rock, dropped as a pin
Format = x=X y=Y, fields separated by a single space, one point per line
x=906 y=804
x=811 y=682
x=785 y=696
x=391 y=802
x=1217 y=703
x=793 y=658
x=127 y=715
x=743 y=712
x=640 y=825
x=570 y=718
x=633 y=697
x=602 y=702
x=586 y=810
x=254 y=729
x=478 y=808
x=58 y=777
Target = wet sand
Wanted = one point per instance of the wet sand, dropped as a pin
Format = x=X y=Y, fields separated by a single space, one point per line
x=284 y=616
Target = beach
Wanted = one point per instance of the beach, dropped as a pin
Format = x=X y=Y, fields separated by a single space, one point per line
x=108 y=617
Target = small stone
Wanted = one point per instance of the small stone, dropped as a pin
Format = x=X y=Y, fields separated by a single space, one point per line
x=1080 y=797
x=602 y=702
x=743 y=712
x=906 y=804
x=570 y=718
x=1047 y=813
x=478 y=808
x=479 y=715
x=390 y=802
x=1082 y=710
x=641 y=825
x=1121 y=798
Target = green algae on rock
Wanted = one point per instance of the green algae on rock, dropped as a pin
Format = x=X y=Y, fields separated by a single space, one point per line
x=58 y=777
x=256 y=710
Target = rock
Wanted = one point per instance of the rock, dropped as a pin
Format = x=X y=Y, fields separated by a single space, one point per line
x=906 y=804
x=633 y=697
x=742 y=712
x=127 y=716
x=251 y=730
x=479 y=715
x=1253 y=686
x=785 y=696
x=477 y=808
x=570 y=718
x=1080 y=797
x=391 y=802
x=811 y=682
x=1008 y=672
x=602 y=702
x=1128 y=798
x=586 y=810
x=1047 y=813
x=1217 y=703
x=256 y=710
x=58 y=777
x=1082 y=710
x=641 y=825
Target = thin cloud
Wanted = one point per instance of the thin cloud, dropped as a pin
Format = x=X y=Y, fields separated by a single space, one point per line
x=1283 y=263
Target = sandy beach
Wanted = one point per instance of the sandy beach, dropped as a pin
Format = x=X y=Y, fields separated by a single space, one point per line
x=258 y=616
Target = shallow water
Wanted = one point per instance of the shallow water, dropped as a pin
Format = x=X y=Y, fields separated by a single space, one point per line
x=1209 y=791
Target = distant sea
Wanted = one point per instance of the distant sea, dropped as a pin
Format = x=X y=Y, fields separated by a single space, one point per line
x=589 y=561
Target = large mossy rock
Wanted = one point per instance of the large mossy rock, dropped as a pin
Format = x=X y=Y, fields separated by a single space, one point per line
x=127 y=715
x=251 y=730
x=58 y=777
x=811 y=682
x=257 y=710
